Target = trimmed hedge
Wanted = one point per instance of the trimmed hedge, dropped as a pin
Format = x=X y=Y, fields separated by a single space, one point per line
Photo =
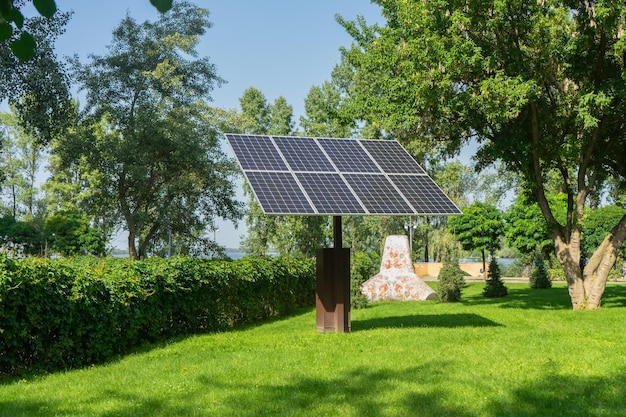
x=59 y=314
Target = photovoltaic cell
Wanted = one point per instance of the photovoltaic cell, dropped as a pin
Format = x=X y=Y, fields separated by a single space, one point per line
x=392 y=157
x=348 y=155
x=329 y=193
x=303 y=154
x=256 y=152
x=279 y=193
x=423 y=194
x=377 y=194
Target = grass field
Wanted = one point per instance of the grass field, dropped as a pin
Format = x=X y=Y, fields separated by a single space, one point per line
x=527 y=354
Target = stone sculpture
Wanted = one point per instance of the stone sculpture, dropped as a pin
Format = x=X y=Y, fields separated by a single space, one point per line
x=397 y=279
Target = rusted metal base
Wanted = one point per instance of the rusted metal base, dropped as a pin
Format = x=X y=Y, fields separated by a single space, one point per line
x=333 y=290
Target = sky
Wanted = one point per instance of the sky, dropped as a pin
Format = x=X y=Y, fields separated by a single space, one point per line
x=280 y=47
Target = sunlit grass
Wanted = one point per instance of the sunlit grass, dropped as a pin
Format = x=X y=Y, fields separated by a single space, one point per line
x=527 y=354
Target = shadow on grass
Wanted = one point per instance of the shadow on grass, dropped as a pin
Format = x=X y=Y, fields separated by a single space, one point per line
x=556 y=298
x=424 y=320
x=430 y=389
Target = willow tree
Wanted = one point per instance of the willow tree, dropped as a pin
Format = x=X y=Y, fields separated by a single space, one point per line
x=147 y=132
x=539 y=85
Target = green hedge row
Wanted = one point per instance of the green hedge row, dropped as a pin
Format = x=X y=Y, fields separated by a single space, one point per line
x=59 y=314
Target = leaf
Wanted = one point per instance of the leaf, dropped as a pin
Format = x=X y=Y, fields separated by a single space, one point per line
x=5 y=31
x=16 y=17
x=162 y=5
x=45 y=8
x=24 y=47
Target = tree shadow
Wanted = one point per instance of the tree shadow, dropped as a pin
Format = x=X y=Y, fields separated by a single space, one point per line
x=525 y=299
x=370 y=392
x=424 y=320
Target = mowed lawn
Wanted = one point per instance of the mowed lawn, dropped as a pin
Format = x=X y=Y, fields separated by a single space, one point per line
x=527 y=354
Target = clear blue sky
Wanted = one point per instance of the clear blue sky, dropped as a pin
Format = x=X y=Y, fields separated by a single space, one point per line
x=281 y=47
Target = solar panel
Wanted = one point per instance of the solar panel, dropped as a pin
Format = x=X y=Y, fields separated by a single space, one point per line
x=303 y=154
x=329 y=193
x=392 y=157
x=330 y=176
x=279 y=193
x=423 y=194
x=256 y=152
x=348 y=155
x=378 y=194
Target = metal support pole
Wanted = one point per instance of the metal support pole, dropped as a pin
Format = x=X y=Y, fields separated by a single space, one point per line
x=337 y=238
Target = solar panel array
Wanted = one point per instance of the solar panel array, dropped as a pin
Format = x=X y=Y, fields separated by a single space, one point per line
x=329 y=176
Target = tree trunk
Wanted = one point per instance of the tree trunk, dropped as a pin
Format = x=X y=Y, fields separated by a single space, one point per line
x=586 y=286
x=132 y=247
x=484 y=264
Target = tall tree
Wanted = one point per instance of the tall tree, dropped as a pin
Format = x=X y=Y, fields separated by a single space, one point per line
x=38 y=89
x=539 y=85
x=21 y=159
x=479 y=228
x=158 y=154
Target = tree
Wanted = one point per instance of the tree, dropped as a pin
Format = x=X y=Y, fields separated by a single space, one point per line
x=494 y=286
x=538 y=275
x=146 y=132
x=38 y=90
x=538 y=85
x=21 y=159
x=25 y=46
x=527 y=230
x=479 y=228
x=69 y=234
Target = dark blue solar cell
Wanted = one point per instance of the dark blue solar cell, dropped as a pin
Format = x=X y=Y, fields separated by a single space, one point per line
x=303 y=154
x=392 y=157
x=377 y=194
x=348 y=155
x=256 y=153
x=279 y=193
x=424 y=195
x=329 y=193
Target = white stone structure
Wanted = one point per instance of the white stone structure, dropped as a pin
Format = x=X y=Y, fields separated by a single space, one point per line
x=397 y=279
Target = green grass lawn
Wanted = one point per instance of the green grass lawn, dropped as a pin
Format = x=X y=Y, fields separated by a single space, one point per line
x=527 y=354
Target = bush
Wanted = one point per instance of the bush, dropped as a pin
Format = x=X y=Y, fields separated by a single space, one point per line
x=360 y=271
x=539 y=275
x=59 y=314
x=556 y=274
x=450 y=282
x=494 y=286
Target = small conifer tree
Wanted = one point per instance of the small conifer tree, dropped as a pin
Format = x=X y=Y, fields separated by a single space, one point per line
x=494 y=286
x=539 y=275
x=450 y=282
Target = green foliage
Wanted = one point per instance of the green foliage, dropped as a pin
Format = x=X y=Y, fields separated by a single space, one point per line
x=33 y=80
x=539 y=277
x=597 y=224
x=494 y=286
x=69 y=234
x=450 y=282
x=479 y=228
x=57 y=314
x=361 y=270
x=25 y=47
x=536 y=85
x=145 y=147
x=527 y=230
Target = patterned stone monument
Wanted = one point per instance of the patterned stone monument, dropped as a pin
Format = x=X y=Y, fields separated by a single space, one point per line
x=397 y=279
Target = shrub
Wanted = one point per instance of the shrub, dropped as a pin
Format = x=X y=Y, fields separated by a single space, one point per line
x=494 y=286
x=58 y=314
x=539 y=275
x=360 y=271
x=450 y=282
